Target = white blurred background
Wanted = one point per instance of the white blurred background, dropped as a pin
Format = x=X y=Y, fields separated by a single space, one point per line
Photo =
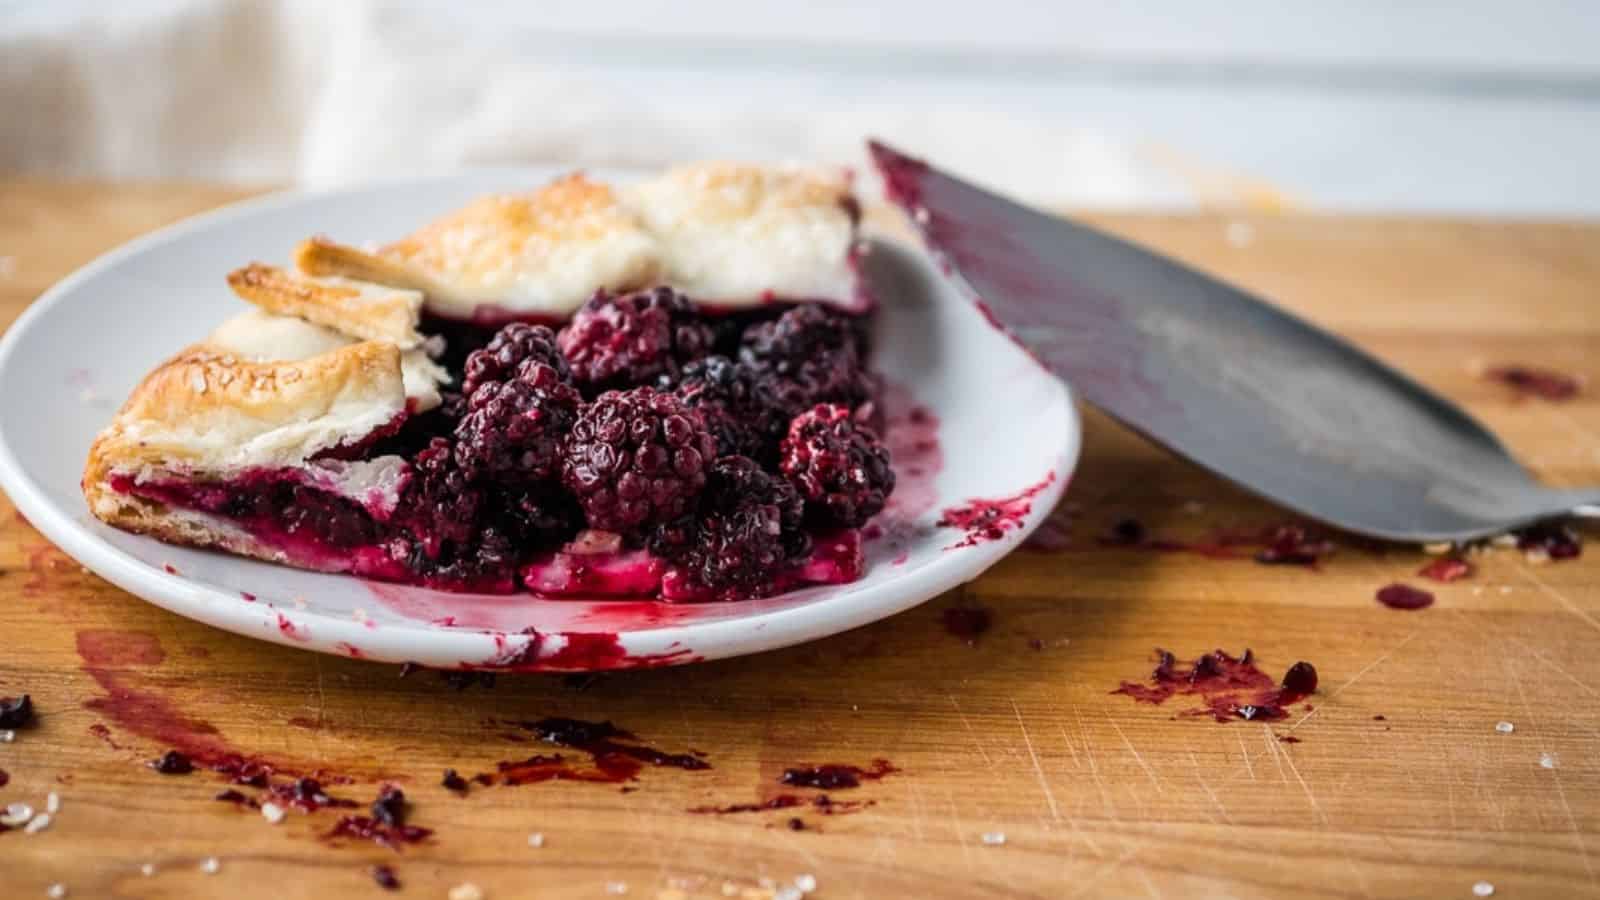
x=1472 y=106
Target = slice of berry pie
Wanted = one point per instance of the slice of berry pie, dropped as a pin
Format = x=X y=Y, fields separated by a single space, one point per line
x=695 y=426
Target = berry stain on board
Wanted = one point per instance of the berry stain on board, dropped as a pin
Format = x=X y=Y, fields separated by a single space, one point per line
x=112 y=658
x=1404 y=596
x=1446 y=569
x=967 y=622
x=836 y=776
x=1230 y=688
x=1527 y=381
x=1273 y=545
x=385 y=824
x=615 y=756
x=821 y=804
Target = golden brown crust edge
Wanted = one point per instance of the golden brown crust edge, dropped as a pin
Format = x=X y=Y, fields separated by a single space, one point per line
x=197 y=410
x=188 y=529
x=172 y=526
x=571 y=208
x=362 y=310
x=541 y=252
x=322 y=256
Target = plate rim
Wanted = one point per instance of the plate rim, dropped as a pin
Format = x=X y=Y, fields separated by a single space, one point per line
x=665 y=645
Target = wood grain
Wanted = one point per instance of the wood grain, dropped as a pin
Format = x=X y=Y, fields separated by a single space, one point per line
x=1095 y=794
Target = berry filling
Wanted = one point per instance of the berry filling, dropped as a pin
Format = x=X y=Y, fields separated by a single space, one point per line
x=647 y=449
x=619 y=342
x=745 y=534
x=595 y=564
x=636 y=458
x=840 y=468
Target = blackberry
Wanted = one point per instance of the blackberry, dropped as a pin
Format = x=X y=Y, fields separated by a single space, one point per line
x=390 y=807
x=460 y=338
x=749 y=525
x=331 y=518
x=512 y=432
x=16 y=712
x=816 y=353
x=419 y=429
x=507 y=351
x=536 y=516
x=439 y=503
x=637 y=458
x=385 y=878
x=621 y=342
x=742 y=406
x=172 y=763
x=838 y=466
x=727 y=330
x=488 y=564
x=802 y=333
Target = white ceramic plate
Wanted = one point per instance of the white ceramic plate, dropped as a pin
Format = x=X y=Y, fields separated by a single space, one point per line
x=1003 y=426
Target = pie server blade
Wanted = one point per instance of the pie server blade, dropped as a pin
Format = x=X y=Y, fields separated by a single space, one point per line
x=1223 y=377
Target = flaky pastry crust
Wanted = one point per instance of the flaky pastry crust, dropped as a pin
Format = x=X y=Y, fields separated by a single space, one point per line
x=544 y=252
x=359 y=309
x=726 y=234
x=207 y=413
x=731 y=233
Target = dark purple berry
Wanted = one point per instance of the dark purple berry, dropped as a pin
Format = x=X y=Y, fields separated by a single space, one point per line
x=385 y=877
x=1556 y=540
x=439 y=504
x=487 y=565
x=512 y=347
x=172 y=763
x=453 y=781
x=1164 y=666
x=802 y=333
x=619 y=342
x=1128 y=531
x=16 y=712
x=817 y=354
x=390 y=807
x=306 y=794
x=839 y=466
x=744 y=409
x=1300 y=680
x=513 y=430
x=749 y=526
x=637 y=458
x=535 y=516
x=235 y=797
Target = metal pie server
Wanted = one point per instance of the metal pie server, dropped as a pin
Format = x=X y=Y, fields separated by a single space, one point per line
x=1224 y=378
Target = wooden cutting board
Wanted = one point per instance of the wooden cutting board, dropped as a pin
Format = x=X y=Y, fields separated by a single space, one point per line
x=1019 y=772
